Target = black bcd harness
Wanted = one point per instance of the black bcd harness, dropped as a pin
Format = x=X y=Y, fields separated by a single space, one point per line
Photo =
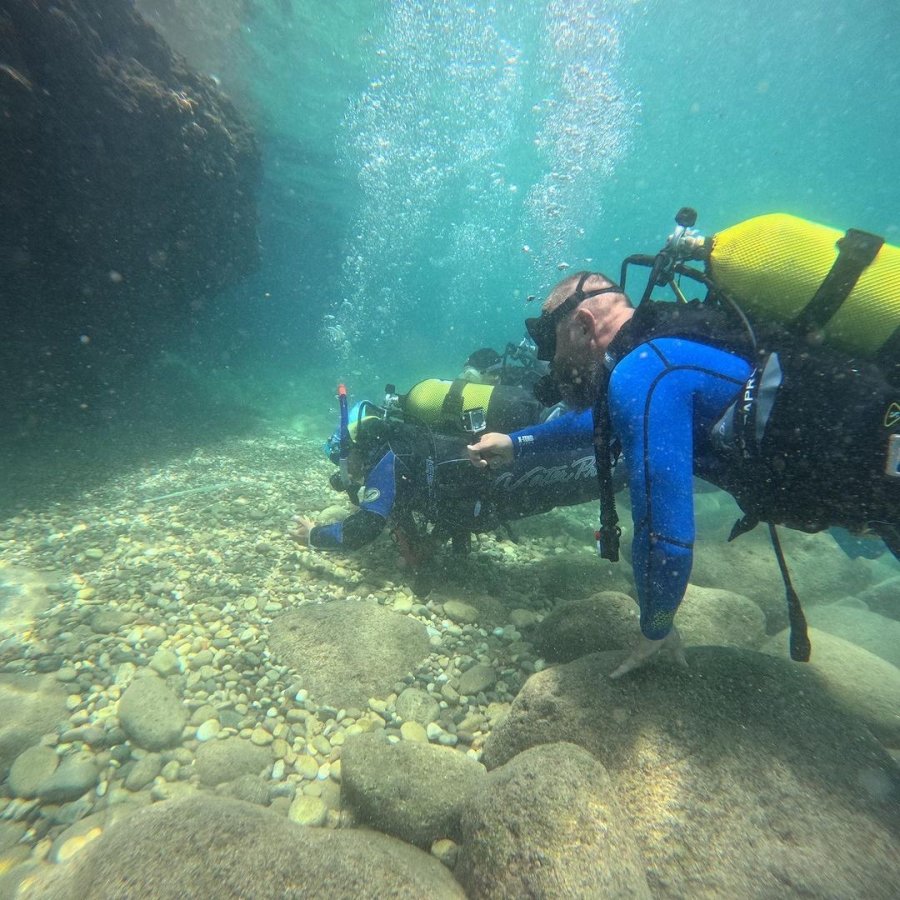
x=788 y=421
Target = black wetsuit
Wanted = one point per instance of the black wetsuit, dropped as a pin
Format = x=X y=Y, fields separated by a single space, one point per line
x=430 y=475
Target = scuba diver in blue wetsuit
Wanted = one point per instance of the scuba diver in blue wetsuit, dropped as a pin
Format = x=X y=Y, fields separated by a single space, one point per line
x=419 y=483
x=678 y=391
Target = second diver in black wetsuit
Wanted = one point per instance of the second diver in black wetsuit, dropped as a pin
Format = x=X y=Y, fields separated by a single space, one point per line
x=420 y=484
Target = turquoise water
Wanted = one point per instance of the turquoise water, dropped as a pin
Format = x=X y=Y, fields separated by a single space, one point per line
x=428 y=166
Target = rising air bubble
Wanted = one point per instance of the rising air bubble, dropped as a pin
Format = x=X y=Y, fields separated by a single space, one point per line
x=491 y=138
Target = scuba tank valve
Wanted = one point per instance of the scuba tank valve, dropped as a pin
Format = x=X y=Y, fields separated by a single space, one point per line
x=685 y=242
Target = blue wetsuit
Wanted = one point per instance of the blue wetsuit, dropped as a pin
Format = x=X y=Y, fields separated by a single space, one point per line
x=664 y=398
x=376 y=501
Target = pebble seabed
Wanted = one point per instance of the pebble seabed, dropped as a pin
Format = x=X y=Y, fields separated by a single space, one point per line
x=181 y=570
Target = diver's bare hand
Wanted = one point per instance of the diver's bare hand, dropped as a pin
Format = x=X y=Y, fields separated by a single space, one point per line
x=491 y=449
x=302 y=527
x=646 y=648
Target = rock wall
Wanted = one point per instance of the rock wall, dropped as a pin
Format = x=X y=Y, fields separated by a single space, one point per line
x=128 y=195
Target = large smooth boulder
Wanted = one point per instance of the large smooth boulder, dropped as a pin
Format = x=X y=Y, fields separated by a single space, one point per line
x=347 y=651
x=820 y=572
x=740 y=776
x=720 y=618
x=31 y=769
x=410 y=790
x=871 y=631
x=548 y=824
x=883 y=597
x=609 y=621
x=604 y=621
x=30 y=706
x=211 y=846
x=568 y=576
x=863 y=684
x=219 y=761
x=76 y=774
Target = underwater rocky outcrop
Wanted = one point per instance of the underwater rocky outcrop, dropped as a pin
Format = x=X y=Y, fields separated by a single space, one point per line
x=129 y=197
x=740 y=776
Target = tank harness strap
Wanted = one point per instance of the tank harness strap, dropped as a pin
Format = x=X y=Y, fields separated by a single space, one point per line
x=452 y=407
x=890 y=534
x=431 y=502
x=800 y=646
x=607 y=536
x=856 y=250
x=799 y=640
x=888 y=357
x=411 y=542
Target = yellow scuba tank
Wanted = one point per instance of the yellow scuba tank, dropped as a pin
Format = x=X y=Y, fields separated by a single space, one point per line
x=438 y=403
x=462 y=407
x=786 y=268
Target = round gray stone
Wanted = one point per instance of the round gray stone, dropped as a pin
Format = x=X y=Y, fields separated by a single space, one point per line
x=74 y=776
x=151 y=715
x=347 y=651
x=221 y=761
x=478 y=678
x=31 y=769
x=416 y=705
x=143 y=772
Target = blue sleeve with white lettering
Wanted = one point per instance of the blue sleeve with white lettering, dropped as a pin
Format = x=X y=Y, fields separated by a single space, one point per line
x=363 y=526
